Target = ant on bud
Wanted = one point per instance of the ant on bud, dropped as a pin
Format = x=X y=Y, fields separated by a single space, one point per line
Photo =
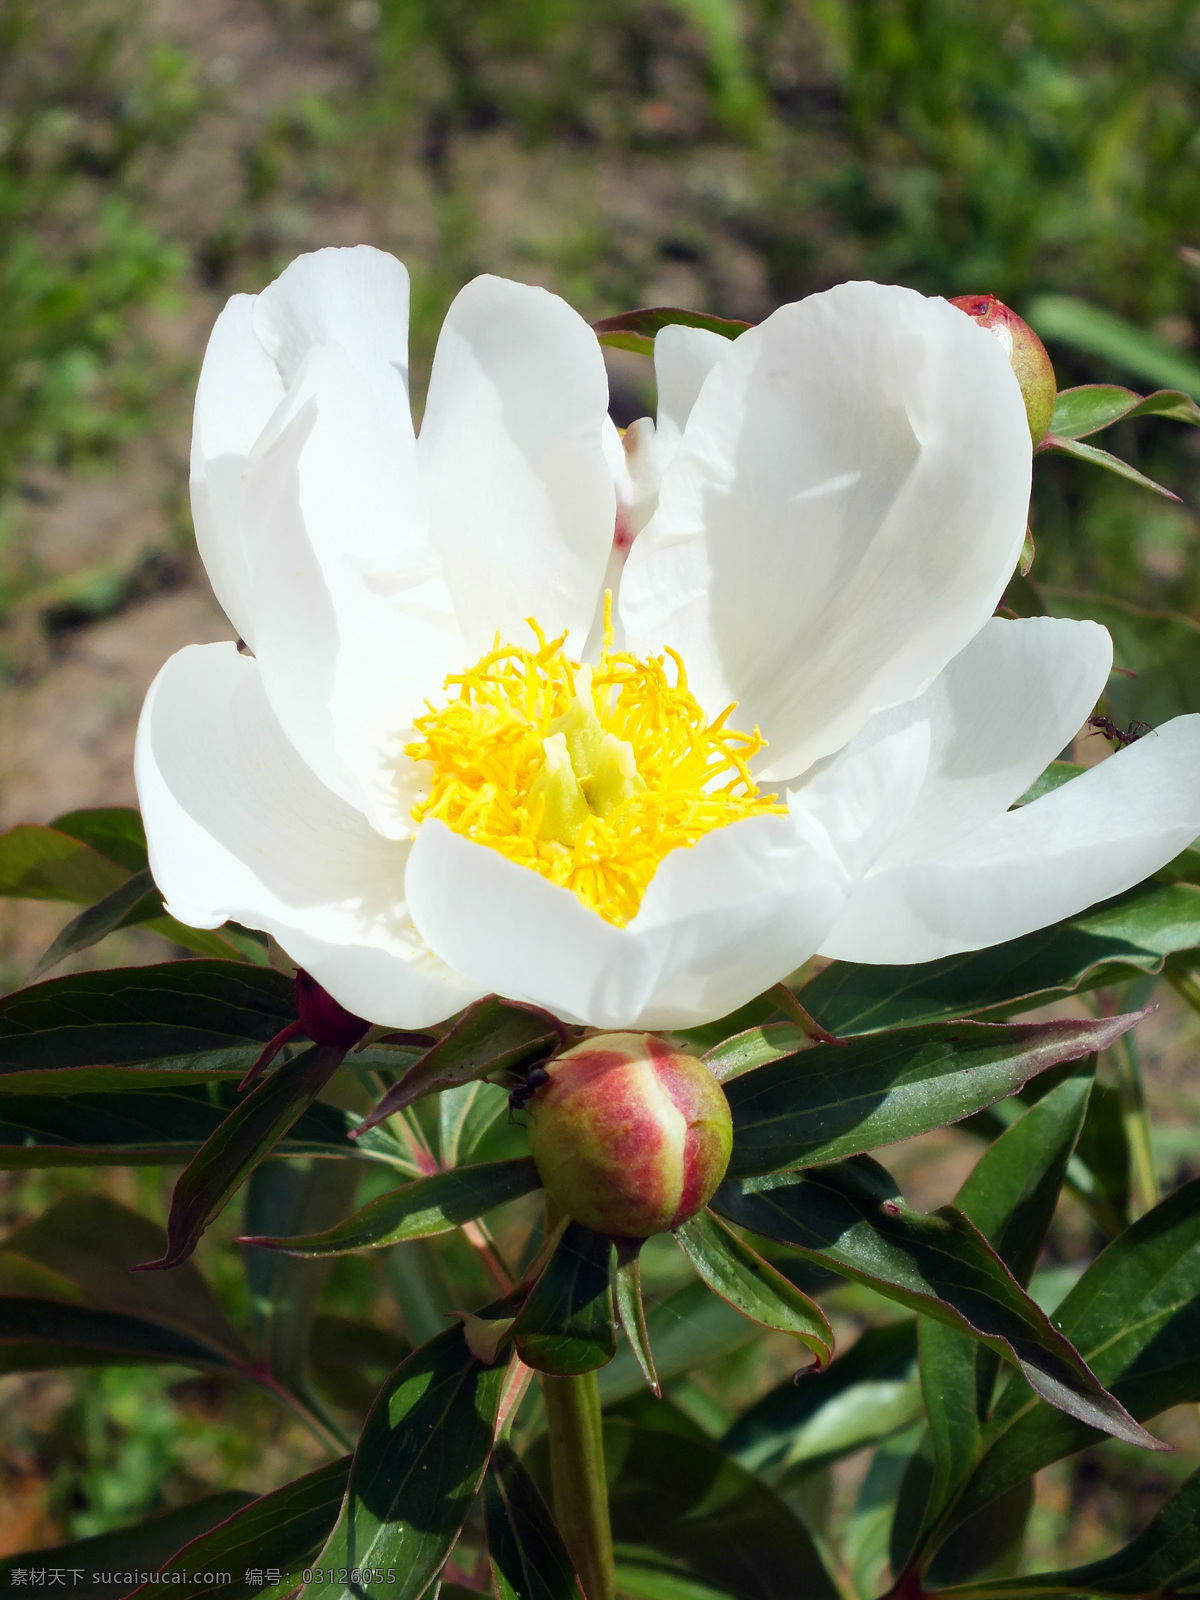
x=526 y=1089
x=1119 y=736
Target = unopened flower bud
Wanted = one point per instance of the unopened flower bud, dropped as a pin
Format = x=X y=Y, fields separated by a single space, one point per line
x=1024 y=349
x=630 y=1136
x=322 y=1019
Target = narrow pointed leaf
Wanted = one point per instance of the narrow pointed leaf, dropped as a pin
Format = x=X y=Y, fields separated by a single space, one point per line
x=632 y=1313
x=247 y=1136
x=861 y=1399
x=752 y=1286
x=491 y=1036
x=831 y=1102
x=688 y=1329
x=284 y=1529
x=162 y=1126
x=420 y=1210
x=1134 y=1316
x=635 y=330
x=566 y=1324
x=140 y=1014
x=1051 y=443
x=1109 y=943
x=756 y=1047
x=143 y=1547
x=1093 y=406
x=416 y=1470
x=135 y=900
x=851 y=1218
x=529 y=1559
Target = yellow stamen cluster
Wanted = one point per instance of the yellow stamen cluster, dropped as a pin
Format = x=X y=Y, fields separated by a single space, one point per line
x=589 y=776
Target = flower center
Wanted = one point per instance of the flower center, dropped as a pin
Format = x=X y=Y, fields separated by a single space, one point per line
x=589 y=776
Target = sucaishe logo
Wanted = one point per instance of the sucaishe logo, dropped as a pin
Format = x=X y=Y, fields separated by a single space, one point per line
x=78 y=1580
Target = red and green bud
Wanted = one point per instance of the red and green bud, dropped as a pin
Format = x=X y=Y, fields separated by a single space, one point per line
x=630 y=1136
x=1024 y=349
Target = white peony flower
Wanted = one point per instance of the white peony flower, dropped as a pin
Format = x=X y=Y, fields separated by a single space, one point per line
x=433 y=774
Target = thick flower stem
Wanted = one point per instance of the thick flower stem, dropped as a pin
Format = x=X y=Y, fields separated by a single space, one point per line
x=577 y=1474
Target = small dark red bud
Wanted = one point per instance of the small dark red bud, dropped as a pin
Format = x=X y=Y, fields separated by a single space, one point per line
x=322 y=1019
x=1026 y=352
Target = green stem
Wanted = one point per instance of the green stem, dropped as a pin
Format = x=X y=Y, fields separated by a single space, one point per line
x=577 y=1474
x=1137 y=1124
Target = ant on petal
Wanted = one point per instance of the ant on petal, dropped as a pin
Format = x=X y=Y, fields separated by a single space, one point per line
x=1119 y=736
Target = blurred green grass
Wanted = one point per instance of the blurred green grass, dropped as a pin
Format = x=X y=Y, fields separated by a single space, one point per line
x=727 y=154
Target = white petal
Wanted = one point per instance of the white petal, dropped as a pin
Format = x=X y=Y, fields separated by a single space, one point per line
x=1003 y=709
x=1095 y=836
x=238 y=392
x=841 y=517
x=238 y=827
x=521 y=497
x=354 y=628
x=356 y=298
x=683 y=358
x=719 y=922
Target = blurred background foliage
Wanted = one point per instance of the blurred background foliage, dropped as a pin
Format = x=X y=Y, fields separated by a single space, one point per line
x=727 y=155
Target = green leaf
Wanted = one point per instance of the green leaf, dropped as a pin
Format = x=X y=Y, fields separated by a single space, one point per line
x=1125 y=936
x=635 y=330
x=632 y=1313
x=1161 y=649
x=1010 y=1196
x=1055 y=775
x=1093 y=406
x=688 y=1329
x=248 y=1134
x=164 y=1126
x=681 y=1497
x=1103 y=333
x=417 y=1467
x=850 y=1218
x=862 y=1398
x=566 y=1324
x=420 y=1210
x=529 y=1559
x=152 y=1014
x=112 y=831
x=1101 y=458
x=136 y=900
x=68 y=1296
x=490 y=1036
x=752 y=1286
x=284 y=1291
x=284 y=1529
x=1163 y=1559
x=142 y=1548
x=834 y=1101
x=1100 y=1172
x=90 y=1242
x=744 y=1052
x=39 y=863
x=1134 y=1316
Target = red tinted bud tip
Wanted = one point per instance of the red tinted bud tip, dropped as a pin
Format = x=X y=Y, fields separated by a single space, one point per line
x=630 y=1137
x=1024 y=349
x=322 y=1019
